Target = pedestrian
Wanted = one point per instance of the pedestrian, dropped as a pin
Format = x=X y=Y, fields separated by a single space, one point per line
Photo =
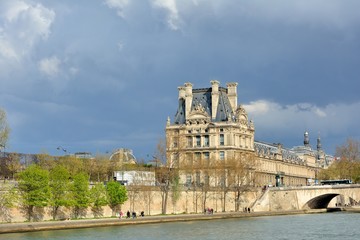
x=128 y=214
x=142 y=213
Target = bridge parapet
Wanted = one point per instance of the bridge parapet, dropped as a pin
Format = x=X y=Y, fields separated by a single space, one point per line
x=309 y=197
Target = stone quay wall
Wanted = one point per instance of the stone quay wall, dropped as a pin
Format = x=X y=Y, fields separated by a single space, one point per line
x=150 y=202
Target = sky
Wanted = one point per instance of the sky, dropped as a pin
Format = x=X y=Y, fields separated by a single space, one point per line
x=97 y=75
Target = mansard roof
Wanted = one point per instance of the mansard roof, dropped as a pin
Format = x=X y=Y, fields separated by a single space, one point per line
x=202 y=96
x=267 y=149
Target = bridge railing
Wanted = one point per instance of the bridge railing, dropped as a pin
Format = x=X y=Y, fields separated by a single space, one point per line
x=314 y=187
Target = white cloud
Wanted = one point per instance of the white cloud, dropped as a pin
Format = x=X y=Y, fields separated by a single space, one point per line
x=24 y=25
x=274 y=118
x=173 y=19
x=50 y=66
x=119 y=5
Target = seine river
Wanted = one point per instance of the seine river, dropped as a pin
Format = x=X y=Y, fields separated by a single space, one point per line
x=337 y=226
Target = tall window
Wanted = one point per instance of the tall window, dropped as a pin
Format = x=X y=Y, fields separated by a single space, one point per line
x=188 y=180
x=206 y=155
x=189 y=141
x=222 y=155
x=206 y=140
x=197 y=178
x=222 y=143
x=207 y=179
x=198 y=141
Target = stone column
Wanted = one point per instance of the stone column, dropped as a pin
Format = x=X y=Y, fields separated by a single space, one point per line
x=214 y=97
x=188 y=98
x=232 y=94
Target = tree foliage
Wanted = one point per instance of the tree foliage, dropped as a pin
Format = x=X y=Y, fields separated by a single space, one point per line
x=116 y=194
x=59 y=189
x=80 y=195
x=346 y=165
x=98 y=198
x=10 y=165
x=8 y=199
x=34 y=189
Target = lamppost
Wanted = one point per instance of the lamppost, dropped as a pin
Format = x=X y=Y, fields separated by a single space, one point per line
x=60 y=148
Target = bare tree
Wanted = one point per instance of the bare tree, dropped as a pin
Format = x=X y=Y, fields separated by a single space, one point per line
x=241 y=175
x=4 y=130
x=166 y=175
x=12 y=164
x=349 y=151
x=347 y=164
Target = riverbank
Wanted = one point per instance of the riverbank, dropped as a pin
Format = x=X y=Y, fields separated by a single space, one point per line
x=90 y=223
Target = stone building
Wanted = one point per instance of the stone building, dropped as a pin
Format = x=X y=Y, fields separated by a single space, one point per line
x=123 y=156
x=211 y=134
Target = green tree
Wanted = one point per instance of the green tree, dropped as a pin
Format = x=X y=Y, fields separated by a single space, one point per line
x=80 y=196
x=116 y=194
x=34 y=190
x=175 y=191
x=59 y=189
x=45 y=161
x=98 y=199
x=72 y=164
x=8 y=199
x=4 y=129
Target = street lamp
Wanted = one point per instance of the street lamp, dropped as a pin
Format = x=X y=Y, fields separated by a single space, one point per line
x=62 y=149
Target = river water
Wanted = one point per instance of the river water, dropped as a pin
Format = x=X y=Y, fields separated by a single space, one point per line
x=339 y=225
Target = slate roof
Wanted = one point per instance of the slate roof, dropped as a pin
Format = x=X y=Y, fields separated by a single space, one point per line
x=271 y=149
x=203 y=97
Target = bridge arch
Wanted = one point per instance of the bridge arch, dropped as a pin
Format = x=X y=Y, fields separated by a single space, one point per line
x=321 y=201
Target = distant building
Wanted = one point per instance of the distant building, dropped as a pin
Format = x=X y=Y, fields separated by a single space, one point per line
x=139 y=178
x=123 y=156
x=86 y=155
x=211 y=128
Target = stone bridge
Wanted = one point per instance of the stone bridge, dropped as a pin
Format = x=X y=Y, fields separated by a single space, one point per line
x=307 y=197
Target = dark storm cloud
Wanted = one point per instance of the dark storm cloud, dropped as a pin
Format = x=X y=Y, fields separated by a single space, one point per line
x=99 y=75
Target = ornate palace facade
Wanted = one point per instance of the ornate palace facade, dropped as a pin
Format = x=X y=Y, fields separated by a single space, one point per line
x=211 y=130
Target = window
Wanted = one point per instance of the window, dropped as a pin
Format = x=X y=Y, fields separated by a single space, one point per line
x=222 y=155
x=189 y=141
x=188 y=180
x=206 y=155
x=198 y=141
x=197 y=178
x=222 y=143
x=207 y=179
x=206 y=140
